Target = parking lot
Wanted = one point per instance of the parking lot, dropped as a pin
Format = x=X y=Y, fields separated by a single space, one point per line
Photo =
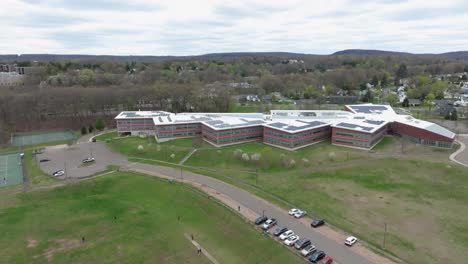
x=69 y=159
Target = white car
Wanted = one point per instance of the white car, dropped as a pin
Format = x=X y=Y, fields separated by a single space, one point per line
x=308 y=250
x=291 y=240
x=269 y=223
x=286 y=234
x=87 y=160
x=300 y=214
x=58 y=173
x=293 y=211
x=350 y=241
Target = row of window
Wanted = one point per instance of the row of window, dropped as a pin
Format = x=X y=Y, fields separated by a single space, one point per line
x=353 y=135
x=234 y=131
x=354 y=143
x=228 y=140
x=435 y=143
x=179 y=126
x=179 y=134
x=297 y=135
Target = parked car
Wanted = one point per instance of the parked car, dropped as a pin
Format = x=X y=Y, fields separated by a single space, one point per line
x=300 y=214
x=317 y=223
x=280 y=230
x=58 y=173
x=350 y=241
x=293 y=211
x=269 y=223
x=318 y=255
x=260 y=220
x=44 y=160
x=302 y=243
x=286 y=234
x=291 y=240
x=326 y=260
x=308 y=250
x=87 y=160
x=93 y=140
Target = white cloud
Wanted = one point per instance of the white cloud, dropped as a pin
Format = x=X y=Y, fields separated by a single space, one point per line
x=177 y=27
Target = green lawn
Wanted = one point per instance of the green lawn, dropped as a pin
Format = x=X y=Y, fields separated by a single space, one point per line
x=151 y=149
x=127 y=218
x=414 y=189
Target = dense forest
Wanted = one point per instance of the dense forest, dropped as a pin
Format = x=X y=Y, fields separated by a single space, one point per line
x=69 y=92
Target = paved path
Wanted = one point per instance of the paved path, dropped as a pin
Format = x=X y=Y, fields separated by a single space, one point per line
x=203 y=251
x=461 y=155
x=187 y=156
x=231 y=195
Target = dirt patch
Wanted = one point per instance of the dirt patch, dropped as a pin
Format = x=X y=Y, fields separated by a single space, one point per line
x=57 y=147
x=32 y=243
x=62 y=245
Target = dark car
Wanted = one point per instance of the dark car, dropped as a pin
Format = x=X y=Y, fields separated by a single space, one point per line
x=44 y=160
x=260 y=220
x=302 y=243
x=317 y=223
x=280 y=230
x=317 y=256
x=94 y=140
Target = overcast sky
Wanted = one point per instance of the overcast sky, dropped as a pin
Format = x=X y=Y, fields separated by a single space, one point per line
x=175 y=27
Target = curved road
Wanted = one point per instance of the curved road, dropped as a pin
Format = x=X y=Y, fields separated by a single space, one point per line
x=71 y=157
x=461 y=155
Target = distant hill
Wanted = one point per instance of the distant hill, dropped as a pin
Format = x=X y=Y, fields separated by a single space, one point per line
x=458 y=55
x=363 y=52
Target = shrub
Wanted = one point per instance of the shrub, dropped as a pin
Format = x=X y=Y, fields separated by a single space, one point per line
x=256 y=156
x=172 y=156
x=84 y=131
x=238 y=153
x=245 y=157
x=332 y=156
x=140 y=148
x=306 y=162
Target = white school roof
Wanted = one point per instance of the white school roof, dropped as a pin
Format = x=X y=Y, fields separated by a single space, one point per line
x=366 y=118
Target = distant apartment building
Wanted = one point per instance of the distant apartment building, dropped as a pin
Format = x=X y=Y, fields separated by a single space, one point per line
x=12 y=75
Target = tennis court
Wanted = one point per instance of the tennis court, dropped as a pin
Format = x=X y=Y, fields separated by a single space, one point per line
x=11 y=171
x=40 y=138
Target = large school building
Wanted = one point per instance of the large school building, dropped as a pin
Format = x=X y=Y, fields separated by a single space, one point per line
x=358 y=126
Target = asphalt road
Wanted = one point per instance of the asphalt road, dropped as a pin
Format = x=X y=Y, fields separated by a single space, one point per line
x=463 y=156
x=72 y=156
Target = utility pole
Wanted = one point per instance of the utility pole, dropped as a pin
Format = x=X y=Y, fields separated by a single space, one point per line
x=65 y=169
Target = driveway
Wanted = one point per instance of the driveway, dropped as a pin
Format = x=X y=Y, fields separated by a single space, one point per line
x=70 y=158
x=461 y=156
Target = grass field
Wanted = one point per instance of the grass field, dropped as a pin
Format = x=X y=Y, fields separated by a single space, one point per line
x=413 y=189
x=167 y=151
x=127 y=218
